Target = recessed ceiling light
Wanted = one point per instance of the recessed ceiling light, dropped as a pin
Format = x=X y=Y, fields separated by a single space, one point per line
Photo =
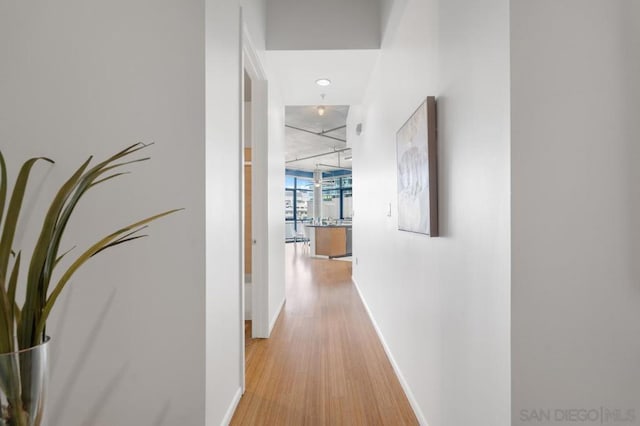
x=323 y=82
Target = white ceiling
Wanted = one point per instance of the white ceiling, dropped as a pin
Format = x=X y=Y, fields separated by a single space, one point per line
x=309 y=134
x=295 y=73
x=326 y=24
x=307 y=117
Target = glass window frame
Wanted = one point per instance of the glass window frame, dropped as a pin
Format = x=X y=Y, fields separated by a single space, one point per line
x=295 y=189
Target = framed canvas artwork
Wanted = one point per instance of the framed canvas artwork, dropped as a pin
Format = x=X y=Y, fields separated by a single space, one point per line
x=417 y=155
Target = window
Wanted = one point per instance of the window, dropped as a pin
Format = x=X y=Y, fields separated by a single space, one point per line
x=336 y=198
x=331 y=203
x=347 y=204
x=298 y=204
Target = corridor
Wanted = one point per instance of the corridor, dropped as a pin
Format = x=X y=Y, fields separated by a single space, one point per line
x=323 y=364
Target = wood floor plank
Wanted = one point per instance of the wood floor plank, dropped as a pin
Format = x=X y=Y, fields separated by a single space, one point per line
x=323 y=364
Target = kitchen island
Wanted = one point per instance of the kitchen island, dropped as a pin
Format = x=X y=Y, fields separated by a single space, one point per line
x=329 y=240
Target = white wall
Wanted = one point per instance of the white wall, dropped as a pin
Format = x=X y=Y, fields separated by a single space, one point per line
x=390 y=12
x=576 y=205
x=330 y=24
x=80 y=78
x=87 y=78
x=441 y=304
x=223 y=183
x=386 y=6
x=223 y=220
x=254 y=14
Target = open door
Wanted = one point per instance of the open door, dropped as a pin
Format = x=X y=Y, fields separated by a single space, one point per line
x=247 y=210
x=259 y=207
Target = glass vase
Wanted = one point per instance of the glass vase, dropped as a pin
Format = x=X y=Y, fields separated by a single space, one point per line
x=23 y=386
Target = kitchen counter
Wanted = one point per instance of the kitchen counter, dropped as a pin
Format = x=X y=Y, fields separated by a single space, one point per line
x=329 y=240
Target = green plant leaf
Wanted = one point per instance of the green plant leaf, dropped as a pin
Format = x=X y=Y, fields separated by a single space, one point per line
x=56 y=221
x=125 y=238
x=3 y=186
x=7 y=340
x=11 y=220
x=83 y=185
x=107 y=178
x=11 y=298
x=62 y=256
x=17 y=314
x=34 y=299
x=84 y=258
x=115 y=243
x=13 y=281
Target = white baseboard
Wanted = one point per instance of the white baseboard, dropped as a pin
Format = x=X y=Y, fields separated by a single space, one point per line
x=232 y=408
x=405 y=386
x=272 y=323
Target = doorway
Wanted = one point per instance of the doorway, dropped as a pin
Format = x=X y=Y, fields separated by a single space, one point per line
x=318 y=181
x=254 y=294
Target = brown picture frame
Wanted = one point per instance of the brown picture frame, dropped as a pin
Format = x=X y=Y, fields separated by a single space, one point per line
x=417 y=171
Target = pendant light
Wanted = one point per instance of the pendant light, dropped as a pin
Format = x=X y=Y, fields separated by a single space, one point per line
x=321 y=109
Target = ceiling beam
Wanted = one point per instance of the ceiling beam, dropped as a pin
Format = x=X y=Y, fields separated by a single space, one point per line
x=332 y=166
x=335 y=151
x=321 y=134
x=324 y=132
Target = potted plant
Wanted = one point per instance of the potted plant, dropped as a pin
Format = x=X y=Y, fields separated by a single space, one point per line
x=23 y=338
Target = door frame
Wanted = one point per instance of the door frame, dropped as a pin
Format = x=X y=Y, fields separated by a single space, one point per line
x=259 y=202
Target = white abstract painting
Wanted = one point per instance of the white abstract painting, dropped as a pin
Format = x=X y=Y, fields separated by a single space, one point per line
x=413 y=173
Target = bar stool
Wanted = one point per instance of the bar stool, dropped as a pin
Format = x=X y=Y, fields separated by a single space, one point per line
x=301 y=237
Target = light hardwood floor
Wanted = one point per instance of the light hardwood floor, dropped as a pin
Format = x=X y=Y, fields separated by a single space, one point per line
x=323 y=364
